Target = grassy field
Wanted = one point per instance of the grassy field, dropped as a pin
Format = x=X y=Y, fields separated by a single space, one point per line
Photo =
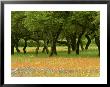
x=87 y=64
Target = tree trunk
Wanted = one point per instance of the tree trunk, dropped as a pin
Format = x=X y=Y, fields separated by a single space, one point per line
x=16 y=45
x=12 y=49
x=81 y=43
x=89 y=41
x=97 y=41
x=45 y=47
x=73 y=41
x=54 y=41
x=12 y=43
x=77 y=50
x=78 y=42
x=68 y=44
x=37 y=46
x=69 y=49
x=24 y=49
x=53 y=48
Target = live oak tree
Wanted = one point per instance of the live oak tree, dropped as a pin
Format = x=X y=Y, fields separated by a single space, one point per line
x=50 y=26
x=17 y=29
x=49 y=22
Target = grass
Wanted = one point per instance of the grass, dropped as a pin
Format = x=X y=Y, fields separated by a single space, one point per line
x=87 y=64
x=61 y=51
x=63 y=54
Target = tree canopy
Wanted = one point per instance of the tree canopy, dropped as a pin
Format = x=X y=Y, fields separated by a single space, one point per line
x=55 y=25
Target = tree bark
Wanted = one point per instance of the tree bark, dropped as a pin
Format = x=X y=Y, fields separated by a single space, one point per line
x=81 y=43
x=24 y=49
x=73 y=41
x=69 y=49
x=45 y=47
x=97 y=41
x=53 y=48
x=77 y=50
x=78 y=42
x=12 y=50
x=54 y=41
x=16 y=45
x=89 y=41
x=37 y=46
x=69 y=44
x=12 y=44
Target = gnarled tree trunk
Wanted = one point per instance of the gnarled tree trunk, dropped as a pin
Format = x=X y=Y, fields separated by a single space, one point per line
x=53 y=48
x=68 y=44
x=45 y=46
x=54 y=41
x=89 y=41
x=25 y=45
x=97 y=41
x=79 y=41
x=12 y=49
x=73 y=41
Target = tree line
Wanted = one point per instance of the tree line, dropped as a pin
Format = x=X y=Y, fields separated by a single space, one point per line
x=52 y=26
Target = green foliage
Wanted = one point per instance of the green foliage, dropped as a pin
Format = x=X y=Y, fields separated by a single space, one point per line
x=16 y=20
x=30 y=43
x=50 y=22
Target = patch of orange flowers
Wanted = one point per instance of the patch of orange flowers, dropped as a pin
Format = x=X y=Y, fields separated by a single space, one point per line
x=56 y=67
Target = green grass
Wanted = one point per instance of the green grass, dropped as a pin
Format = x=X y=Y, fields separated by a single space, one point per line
x=61 y=52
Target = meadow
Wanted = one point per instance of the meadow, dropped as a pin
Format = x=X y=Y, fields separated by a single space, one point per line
x=87 y=64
